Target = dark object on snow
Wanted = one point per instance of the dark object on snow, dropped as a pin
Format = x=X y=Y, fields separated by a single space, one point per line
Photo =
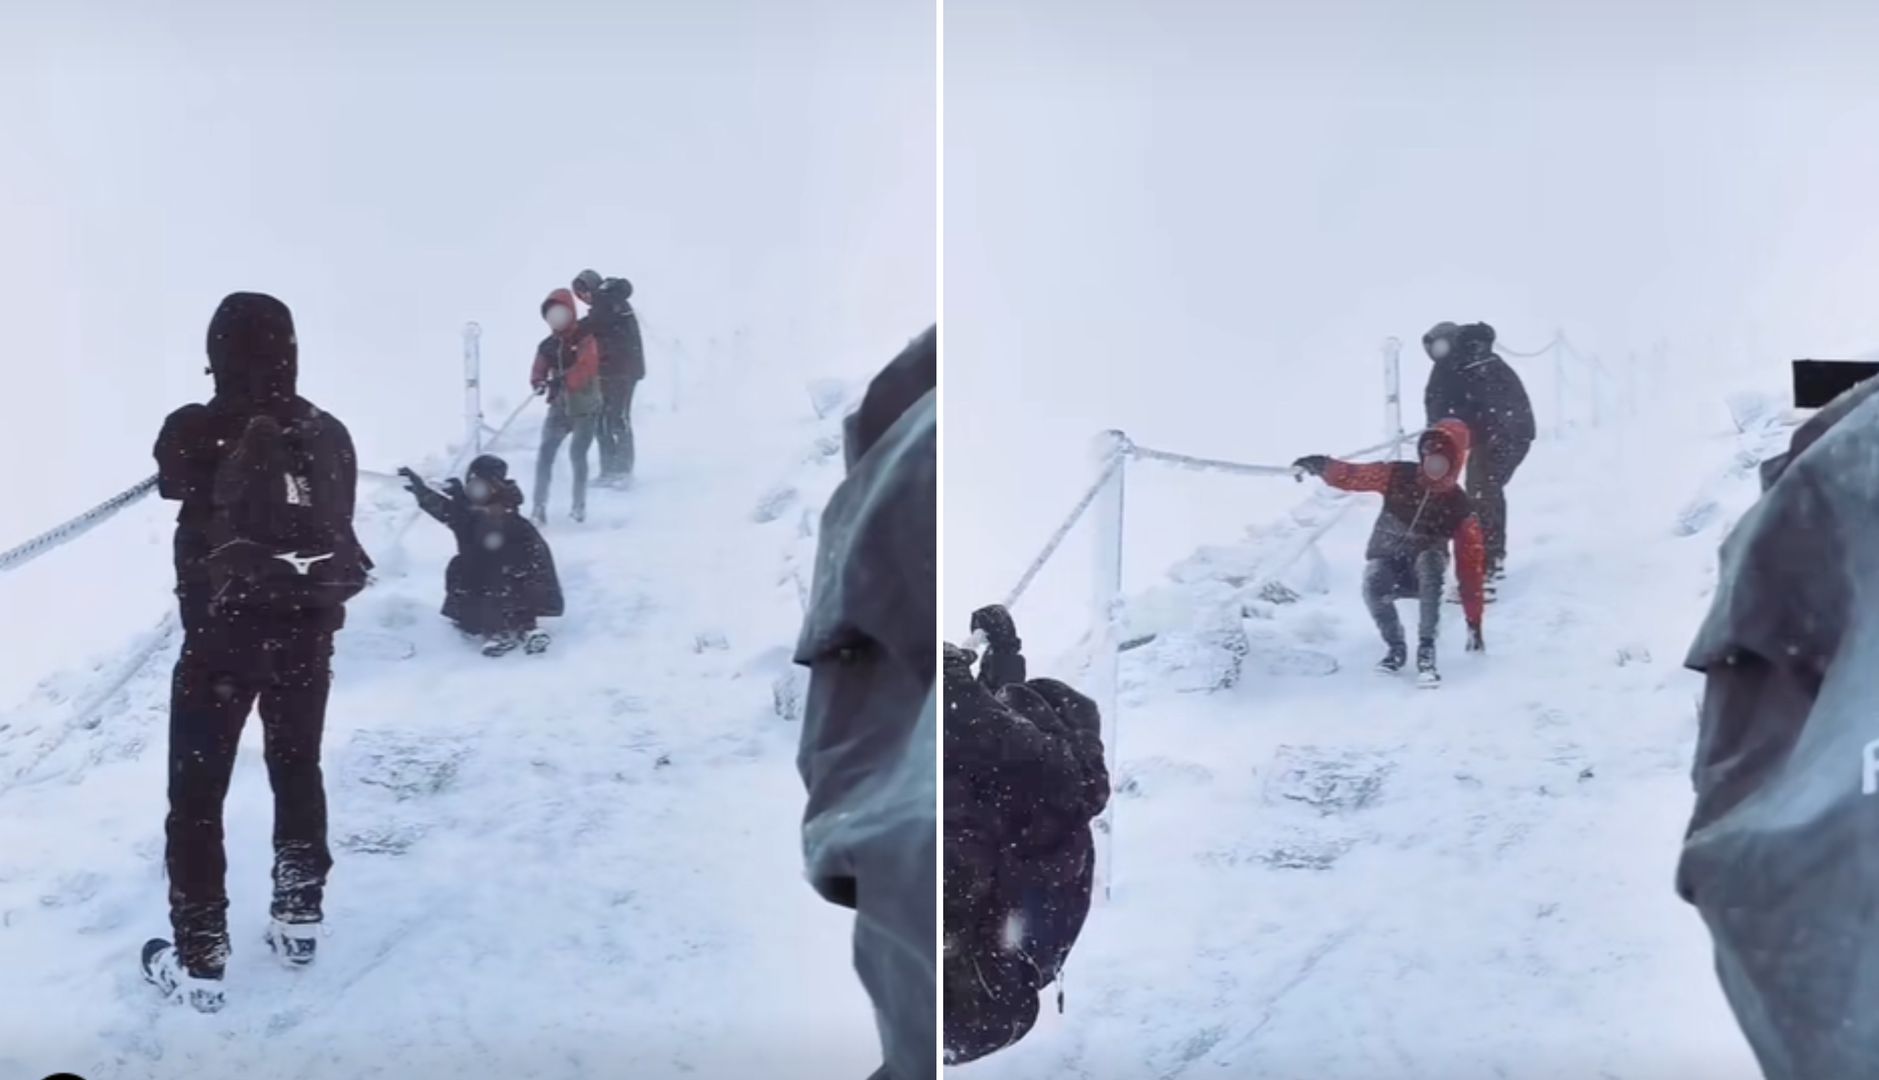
x=615 y=327
x=1779 y=854
x=1470 y=383
x=503 y=576
x=1424 y=509
x=1818 y=382
x=266 y=558
x=1024 y=778
x=868 y=740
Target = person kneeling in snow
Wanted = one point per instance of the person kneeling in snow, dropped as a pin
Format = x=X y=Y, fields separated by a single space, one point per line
x=503 y=576
x=1424 y=508
x=1024 y=777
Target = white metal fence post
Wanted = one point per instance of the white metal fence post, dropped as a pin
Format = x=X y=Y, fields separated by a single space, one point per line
x=1393 y=390
x=473 y=388
x=1106 y=593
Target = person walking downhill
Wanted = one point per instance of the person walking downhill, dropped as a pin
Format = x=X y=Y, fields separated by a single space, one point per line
x=615 y=327
x=1471 y=383
x=1424 y=508
x=567 y=370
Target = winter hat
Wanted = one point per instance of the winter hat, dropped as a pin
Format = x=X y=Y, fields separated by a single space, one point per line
x=1475 y=339
x=253 y=352
x=587 y=281
x=489 y=468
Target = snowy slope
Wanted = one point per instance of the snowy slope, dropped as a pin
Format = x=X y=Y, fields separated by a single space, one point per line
x=1339 y=877
x=575 y=865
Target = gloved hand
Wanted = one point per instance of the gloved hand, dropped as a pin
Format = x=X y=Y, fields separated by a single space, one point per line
x=413 y=482
x=1475 y=644
x=453 y=488
x=1312 y=464
x=1000 y=632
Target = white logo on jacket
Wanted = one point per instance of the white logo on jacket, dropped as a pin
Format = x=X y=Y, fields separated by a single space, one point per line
x=302 y=565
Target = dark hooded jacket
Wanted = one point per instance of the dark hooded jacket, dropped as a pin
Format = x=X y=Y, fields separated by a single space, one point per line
x=615 y=325
x=868 y=740
x=1782 y=851
x=267 y=482
x=503 y=572
x=1474 y=385
x=1024 y=778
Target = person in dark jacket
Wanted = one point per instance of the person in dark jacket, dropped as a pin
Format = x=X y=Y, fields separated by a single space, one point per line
x=868 y=740
x=615 y=326
x=1470 y=383
x=1024 y=777
x=1424 y=509
x=567 y=369
x=503 y=576
x=266 y=559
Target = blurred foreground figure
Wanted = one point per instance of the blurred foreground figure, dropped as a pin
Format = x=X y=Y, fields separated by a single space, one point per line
x=1780 y=856
x=868 y=727
x=1024 y=777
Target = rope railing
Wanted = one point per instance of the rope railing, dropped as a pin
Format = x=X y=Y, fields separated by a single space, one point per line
x=60 y=535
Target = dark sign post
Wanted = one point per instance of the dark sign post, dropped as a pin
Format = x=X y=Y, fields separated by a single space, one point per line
x=1816 y=382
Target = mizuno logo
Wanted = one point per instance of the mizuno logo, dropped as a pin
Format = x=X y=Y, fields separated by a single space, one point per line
x=302 y=565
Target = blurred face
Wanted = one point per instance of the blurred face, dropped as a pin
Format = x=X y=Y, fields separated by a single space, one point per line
x=477 y=489
x=1436 y=466
x=583 y=295
x=559 y=318
x=1439 y=348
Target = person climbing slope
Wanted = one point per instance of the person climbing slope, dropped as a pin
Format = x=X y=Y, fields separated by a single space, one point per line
x=615 y=326
x=567 y=369
x=503 y=576
x=1424 y=508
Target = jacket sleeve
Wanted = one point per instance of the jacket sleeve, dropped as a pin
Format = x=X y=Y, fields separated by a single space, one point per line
x=539 y=373
x=1372 y=477
x=1521 y=423
x=176 y=445
x=1471 y=559
x=586 y=364
x=440 y=506
x=1437 y=402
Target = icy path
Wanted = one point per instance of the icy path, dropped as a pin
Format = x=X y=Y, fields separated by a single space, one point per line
x=1345 y=878
x=579 y=865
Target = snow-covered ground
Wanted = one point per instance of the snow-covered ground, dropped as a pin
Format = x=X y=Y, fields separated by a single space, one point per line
x=1340 y=877
x=575 y=865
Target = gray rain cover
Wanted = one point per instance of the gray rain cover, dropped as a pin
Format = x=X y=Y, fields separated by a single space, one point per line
x=869 y=740
x=1782 y=854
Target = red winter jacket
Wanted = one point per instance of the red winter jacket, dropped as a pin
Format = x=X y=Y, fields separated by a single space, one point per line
x=571 y=353
x=1420 y=513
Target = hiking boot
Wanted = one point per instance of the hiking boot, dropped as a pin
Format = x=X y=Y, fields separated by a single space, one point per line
x=539 y=516
x=1426 y=674
x=536 y=642
x=294 y=944
x=163 y=968
x=1394 y=661
x=501 y=644
x=579 y=514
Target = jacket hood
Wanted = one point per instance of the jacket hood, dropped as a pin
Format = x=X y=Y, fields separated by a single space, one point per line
x=1472 y=342
x=565 y=299
x=253 y=352
x=1451 y=439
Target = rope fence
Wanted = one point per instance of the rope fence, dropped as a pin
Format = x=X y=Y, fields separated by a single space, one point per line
x=60 y=535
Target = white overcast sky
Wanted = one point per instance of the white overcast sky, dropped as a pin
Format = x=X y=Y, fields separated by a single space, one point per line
x=1197 y=220
x=392 y=170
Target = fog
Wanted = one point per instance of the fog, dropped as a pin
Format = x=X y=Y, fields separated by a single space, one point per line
x=393 y=171
x=1198 y=221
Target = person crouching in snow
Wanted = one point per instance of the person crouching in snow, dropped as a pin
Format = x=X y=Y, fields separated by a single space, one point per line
x=1424 y=508
x=503 y=576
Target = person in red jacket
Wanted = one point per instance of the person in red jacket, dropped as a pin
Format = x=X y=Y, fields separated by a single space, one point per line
x=567 y=369
x=1424 y=508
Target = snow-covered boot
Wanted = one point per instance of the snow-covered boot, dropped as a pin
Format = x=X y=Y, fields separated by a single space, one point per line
x=164 y=970
x=1426 y=674
x=294 y=944
x=536 y=642
x=501 y=644
x=579 y=514
x=1393 y=663
x=539 y=515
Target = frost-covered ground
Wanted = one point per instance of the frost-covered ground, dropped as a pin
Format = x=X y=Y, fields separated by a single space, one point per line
x=583 y=864
x=1340 y=877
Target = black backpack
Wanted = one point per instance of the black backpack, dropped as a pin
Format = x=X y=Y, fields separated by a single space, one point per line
x=281 y=539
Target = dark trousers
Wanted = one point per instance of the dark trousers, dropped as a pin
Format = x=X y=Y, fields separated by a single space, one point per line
x=1489 y=469
x=224 y=671
x=615 y=430
x=1419 y=578
x=556 y=431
